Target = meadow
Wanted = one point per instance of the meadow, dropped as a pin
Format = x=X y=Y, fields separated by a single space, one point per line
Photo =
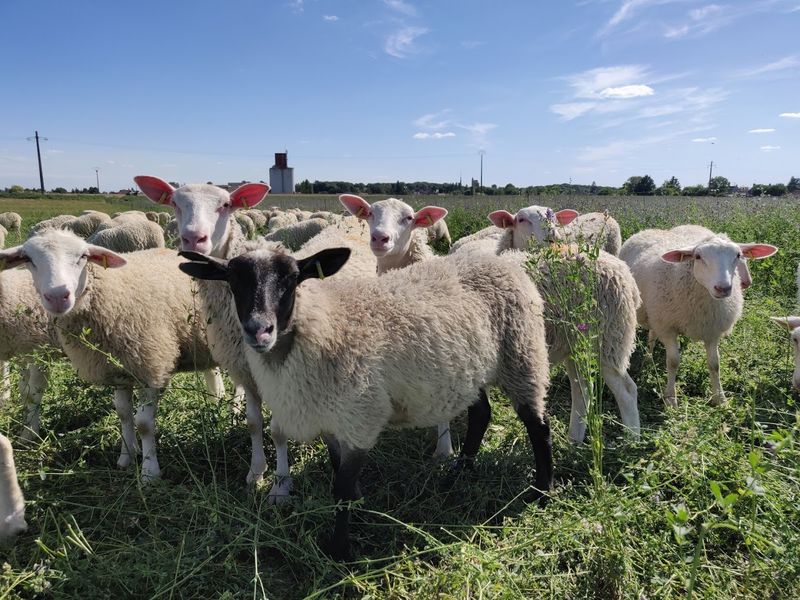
x=706 y=504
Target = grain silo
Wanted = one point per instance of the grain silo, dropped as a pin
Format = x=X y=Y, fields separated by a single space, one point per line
x=281 y=175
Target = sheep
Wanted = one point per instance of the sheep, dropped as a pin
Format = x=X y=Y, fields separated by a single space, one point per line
x=689 y=278
x=487 y=233
x=53 y=223
x=258 y=218
x=139 y=315
x=295 y=235
x=163 y=219
x=12 y=504
x=3 y=233
x=207 y=225
x=151 y=216
x=596 y=228
x=281 y=220
x=11 y=221
x=128 y=232
x=792 y=325
x=87 y=223
x=246 y=225
x=405 y=359
x=324 y=214
x=398 y=235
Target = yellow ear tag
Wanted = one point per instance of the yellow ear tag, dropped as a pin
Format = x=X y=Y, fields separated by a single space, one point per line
x=163 y=197
x=359 y=214
x=105 y=261
x=320 y=274
x=430 y=220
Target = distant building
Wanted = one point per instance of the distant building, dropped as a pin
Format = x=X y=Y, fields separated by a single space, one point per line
x=281 y=175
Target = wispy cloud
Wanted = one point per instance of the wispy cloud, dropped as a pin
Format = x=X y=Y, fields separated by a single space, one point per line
x=402 y=7
x=434 y=121
x=572 y=110
x=770 y=148
x=704 y=140
x=422 y=135
x=591 y=83
x=297 y=5
x=787 y=62
x=401 y=44
x=790 y=115
x=628 y=9
x=762 y=130
x=330 y=17
x=627 y=91
x=711 y=17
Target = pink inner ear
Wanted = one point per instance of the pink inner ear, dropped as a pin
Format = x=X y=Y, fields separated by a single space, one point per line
x=356 y=205
x=757 y=250
x=566 y=216
x=106 y=258
x=158 y=190
x=248 y=195
x=502 y=219
x=425 y=217
x=676 y=256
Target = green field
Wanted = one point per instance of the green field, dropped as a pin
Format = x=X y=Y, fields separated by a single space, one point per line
x=706 y=504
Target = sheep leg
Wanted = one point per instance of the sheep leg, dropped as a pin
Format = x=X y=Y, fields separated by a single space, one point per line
x=577 y=415
x=283 y=480
x=145 y=421
x=538 y=428
x=478 y=417
x=345 y=490
x=444 y=443
x=33 y=384
x=334 y=450
x=123 y=404
x=214 y=383
x=673 y=362
x=712 y=357
x=255 y=426
x=5 y=382
x=625 y=392
x=238 y=400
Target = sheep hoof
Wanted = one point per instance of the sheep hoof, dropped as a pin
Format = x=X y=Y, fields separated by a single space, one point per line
x=442 y=455
x=281 y=491
x=124 y=461
x=718 y=399
x=150 y=474
x=253 y=479
x=671 y=401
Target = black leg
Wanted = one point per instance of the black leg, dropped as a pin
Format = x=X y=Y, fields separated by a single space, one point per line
x=345 y=489
x=478 y=417
x=539 y=433
x=334 y=451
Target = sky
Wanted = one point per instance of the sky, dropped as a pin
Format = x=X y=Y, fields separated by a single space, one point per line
x=384 y=90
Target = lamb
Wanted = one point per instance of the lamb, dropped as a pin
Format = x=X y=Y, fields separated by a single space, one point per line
x=151 y=216
x=53 y=223
x=11 y=221
x=280 y=221
x=349 y=378
x=12 y=504
x=128 y=232
x=206 y=225
x=689 y=278
x=596 y=228
x=87 y=223
x=258 y=218
x=246 y=224
x=140 y=315
x=439 y=232
x=295 y=235
x=792 y=325
x=164 y=219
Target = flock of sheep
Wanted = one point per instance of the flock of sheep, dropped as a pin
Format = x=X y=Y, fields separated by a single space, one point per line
x=347 y=325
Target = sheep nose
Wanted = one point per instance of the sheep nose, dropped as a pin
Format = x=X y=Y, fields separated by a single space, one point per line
x=58 y=296
x=380 y=239
x=192 y=240
x=723 y=290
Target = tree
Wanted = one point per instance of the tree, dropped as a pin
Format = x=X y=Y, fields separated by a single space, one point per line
x=16 y=189
x=629 y=187
x=719 y=186
x=670 y=187
x=776 y=189
x=304 y=187
x=59 y=190
x=694 y=190
x=794 y=185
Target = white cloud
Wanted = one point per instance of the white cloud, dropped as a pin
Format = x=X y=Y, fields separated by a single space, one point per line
x=572 y=110
x=698 y=14
x=401 y=43
x=787 y=115
x=421 y=135
x=770 y=148
x=627 y=10
x=676 y=32
x=762 y=130
x=704 y=140
x=402 y=7
x=627 y=91
x=479 y=129
x=330 y=17
x=433 y=120
x=787 y=62
x=590 y=84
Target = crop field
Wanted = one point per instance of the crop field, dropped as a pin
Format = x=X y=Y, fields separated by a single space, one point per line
x=706 y=504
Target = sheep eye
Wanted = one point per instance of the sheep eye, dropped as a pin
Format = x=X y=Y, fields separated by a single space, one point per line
x=523 y=220
x=698 y=257
x=409 y=218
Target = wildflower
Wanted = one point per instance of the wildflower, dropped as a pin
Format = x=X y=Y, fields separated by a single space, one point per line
x=583 y=327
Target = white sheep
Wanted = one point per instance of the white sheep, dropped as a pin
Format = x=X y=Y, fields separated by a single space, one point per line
x=12 y=504
x=258 y=218
x=3 y=233
x=11 y=221
x=295 y=235
x=690 y=282
x=87 y=223
x=595 y=228
x=439 y=232
x=246 y=224
x=347 y=359
x=281 y=220
x=487 y=233
x=52 y=223
x=206 y=225
x=128 y=232
x=792 y=325
x=140 y=315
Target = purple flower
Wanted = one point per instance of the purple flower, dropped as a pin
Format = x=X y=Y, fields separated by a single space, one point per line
x=583 y=327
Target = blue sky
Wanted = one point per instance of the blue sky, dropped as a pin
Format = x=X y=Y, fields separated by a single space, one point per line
x=381 y=90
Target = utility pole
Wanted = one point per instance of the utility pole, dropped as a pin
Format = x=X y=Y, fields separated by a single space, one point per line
x=482 y=152
x=39 y=156
x=97 y=177
x=710 y=168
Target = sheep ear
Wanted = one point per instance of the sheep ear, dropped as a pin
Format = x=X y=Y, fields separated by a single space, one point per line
x=158 y=190
x=757 y=250
x=680 y=255
x=788 y=323
x=105 y=257
x=502 y=219
x=356 y=205
x=322 y=264
x=249 y=194
x=566 y=216
x=425 y=217
x=12 y=257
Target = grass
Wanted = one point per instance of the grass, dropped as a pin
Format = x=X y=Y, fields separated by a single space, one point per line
x=705 y=505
